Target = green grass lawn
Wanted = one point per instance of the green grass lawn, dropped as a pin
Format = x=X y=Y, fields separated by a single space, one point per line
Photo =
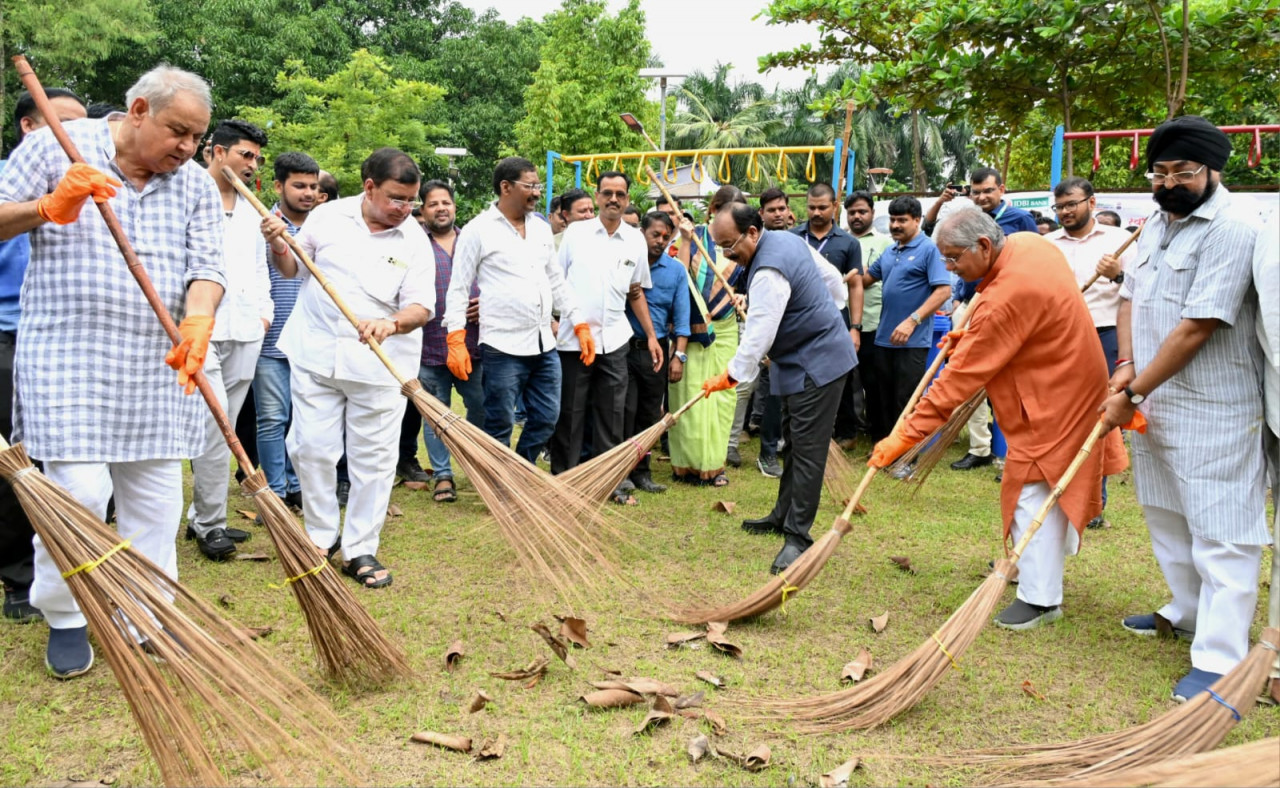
x=454 y=578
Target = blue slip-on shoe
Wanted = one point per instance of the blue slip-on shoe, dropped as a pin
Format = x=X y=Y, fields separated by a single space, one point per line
x=1194 y=683
x=1154 y=624
x=68 y=654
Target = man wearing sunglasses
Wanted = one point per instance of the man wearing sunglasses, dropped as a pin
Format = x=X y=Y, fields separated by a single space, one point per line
x=239 y=325
x=1191 y=363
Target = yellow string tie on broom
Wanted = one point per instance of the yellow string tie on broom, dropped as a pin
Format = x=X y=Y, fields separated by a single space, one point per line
x=943 y=648
x=787 y=588
x=89 y=566
x=288 y=580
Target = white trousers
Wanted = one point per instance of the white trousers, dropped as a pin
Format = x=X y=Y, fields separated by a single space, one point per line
x=980 y=433
x=1041 y=565
x=230 y=367
x=148 y=510
x=371 y=416
x=1214 y=587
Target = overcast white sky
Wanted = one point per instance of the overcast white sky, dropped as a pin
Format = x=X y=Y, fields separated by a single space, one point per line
x=694 y=34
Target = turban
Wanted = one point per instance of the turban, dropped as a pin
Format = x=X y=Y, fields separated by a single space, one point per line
x=1189 y=138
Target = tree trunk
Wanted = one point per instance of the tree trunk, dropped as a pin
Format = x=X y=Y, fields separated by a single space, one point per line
x=917 y=166
x=1066 y=123
x=1008 y=151
x=1180 y=94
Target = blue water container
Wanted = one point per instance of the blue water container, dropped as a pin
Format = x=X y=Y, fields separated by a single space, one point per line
x=941 y=327
x=999 y=447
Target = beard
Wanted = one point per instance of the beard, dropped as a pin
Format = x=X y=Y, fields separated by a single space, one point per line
x=1079 y=224
x=1180 y=200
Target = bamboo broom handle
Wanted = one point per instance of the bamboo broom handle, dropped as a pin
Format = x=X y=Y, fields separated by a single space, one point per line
x=315 y=272
x=1127 y=243
x=702 y=250
x=1062 y=484
x=33 y=86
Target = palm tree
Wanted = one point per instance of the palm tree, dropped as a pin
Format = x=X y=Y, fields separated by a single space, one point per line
x=712 y=113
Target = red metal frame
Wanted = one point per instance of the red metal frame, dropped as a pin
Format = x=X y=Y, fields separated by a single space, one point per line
x=1255 y=147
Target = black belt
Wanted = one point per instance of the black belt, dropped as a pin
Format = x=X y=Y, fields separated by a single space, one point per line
x=642 y=343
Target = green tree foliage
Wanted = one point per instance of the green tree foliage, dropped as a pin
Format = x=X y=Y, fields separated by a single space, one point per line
x=589 y=72
x=341 y=119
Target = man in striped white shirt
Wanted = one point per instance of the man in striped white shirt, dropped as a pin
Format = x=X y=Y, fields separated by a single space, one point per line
x=1189 y=359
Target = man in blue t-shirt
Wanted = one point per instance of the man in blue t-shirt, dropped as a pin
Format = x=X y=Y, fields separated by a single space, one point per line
x=915 y=283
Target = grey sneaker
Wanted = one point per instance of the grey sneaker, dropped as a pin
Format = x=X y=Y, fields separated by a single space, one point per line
x=769 y=466
x=1021 y=616
x=732 y=458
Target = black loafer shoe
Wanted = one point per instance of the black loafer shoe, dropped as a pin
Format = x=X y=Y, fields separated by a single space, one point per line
x=216 y=545
x=412 y=472
x=647 y=484
x=970 y=461
x=234 y=534
x=786 y=557
x=732 y=458
x=761 y=525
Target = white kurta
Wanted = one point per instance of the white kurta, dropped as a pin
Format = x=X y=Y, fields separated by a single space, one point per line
x=1200 y=455
x=600 y=268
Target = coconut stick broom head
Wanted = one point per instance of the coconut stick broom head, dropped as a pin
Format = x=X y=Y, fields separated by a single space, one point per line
x=552 y=528
x=897 y=689
x=776 y=592
x=212 y=690
x=348 y=641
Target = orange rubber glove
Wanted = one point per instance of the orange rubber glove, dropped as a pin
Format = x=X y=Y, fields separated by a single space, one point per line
x=459 y=361
x=63 y=204
x=720 y=382
x=889 y=449
x=588 y=345
x=188 y=356
x=1138 y=422
x=954 y=338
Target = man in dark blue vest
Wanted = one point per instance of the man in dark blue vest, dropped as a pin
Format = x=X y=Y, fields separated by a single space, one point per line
x=793 y=321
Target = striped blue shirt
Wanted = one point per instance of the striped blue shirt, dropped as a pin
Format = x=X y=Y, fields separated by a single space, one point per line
x=284 y=294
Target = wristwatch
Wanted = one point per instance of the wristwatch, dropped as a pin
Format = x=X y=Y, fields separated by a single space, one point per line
x=856 y=326
x=1136 y=399
x=682 y=357
x=1119 y=280
x=916 y=318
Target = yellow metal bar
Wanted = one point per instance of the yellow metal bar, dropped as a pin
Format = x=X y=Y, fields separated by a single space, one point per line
x=681 y=154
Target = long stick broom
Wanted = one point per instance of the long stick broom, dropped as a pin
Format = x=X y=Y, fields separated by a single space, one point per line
x=601 y=475
x=215 y=691
x=551 y=526
x=349 y=643
x=775 y=592
x=1254 y=764
x=1128 y=242
x=897 y=689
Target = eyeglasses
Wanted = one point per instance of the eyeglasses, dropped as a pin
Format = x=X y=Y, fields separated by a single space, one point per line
x=1186 y=176
x=396 y=202
x=729 y=248
x=250 y=156
x=953 y=260
x=1068 y=206
x=610 y=194
x=535 y=186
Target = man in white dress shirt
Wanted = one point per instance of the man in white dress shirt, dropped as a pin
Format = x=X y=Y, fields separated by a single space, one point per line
x=606 y=264
x=242 y=320
x=521 y=282
x=381 y=263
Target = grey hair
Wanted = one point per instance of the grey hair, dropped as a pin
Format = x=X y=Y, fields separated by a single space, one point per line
x=161 y=84
x=964 y=226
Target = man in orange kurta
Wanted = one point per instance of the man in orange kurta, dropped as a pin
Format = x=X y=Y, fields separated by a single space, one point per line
x=1032 y=344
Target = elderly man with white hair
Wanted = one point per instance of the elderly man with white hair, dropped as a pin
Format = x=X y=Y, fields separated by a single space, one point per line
x=93 y=397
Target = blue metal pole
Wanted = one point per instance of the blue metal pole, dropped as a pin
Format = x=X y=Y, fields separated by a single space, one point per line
x=551 y=168
x=577 y=175
x=1055 y=163
x=848 y=177
x=835 y=163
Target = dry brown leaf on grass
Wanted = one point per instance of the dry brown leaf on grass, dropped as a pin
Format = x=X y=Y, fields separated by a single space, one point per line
x=698 y=747
x=715 y=636
x=690 y=701
x=534 y=669
x=638 y=685
x=659 y=713
x=710 y=678
x=252 y=557
x=718 y=726
x=855 y=670
x=754 y=761
x=500 y=616
x=690 y=714
x=878 y=623
x=449 y=742
x=453 y=655
x=724 y=506
x=80 y=782
x=558 y=646
x=415 y=485
x=492 y=749
x=247 y=514
x=839 y=776
x=678 y=639
x=479 y=701
x=611 y=698
x=1030 y=689
x=574 y=630
x=904 y=563
x=394 y=511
